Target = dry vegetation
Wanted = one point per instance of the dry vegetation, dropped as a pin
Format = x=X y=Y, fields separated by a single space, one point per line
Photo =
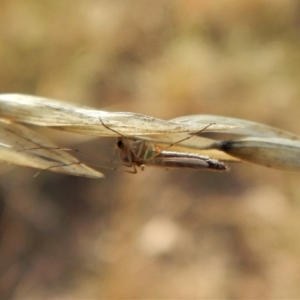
x=157 y=234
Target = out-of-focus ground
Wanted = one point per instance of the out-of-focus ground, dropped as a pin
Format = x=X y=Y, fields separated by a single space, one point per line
x=157 y=234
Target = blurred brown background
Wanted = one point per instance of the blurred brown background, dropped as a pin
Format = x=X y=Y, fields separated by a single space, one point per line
x=158 y=234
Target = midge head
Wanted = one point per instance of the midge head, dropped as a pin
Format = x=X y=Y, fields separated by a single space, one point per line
x=141 y=153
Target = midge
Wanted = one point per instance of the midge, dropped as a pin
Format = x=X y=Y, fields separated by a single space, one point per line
x=141 y=153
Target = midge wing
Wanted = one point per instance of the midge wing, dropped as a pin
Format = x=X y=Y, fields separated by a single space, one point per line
x=52 y=113
x=22 y=146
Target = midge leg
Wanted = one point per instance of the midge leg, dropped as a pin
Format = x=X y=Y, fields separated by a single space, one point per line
x=189 y=137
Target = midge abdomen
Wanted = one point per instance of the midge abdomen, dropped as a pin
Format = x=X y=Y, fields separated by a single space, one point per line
x=185 y=160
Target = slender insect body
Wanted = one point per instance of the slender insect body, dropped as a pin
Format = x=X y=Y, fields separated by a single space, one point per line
x=141 y=153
